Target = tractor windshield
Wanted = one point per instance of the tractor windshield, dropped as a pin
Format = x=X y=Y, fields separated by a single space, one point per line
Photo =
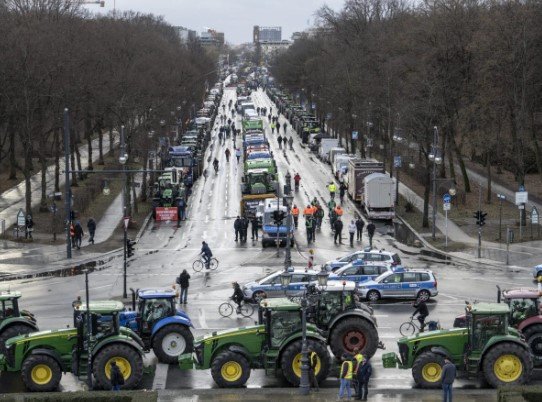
x=485 y=327
x=522 y=309
x=283 y=323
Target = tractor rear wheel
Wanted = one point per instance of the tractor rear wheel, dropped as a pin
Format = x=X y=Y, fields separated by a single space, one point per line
x=172 y=341
x=41 y=373
x=12 y=331
x=533 y=334
x=291 y=361
x=427 y=370
x=230 y=369
x=507 y=364
x=351 y=333
x=128 y=360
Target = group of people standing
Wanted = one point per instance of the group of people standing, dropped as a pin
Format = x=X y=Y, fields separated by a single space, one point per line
x=241 y=224
x=355 y=370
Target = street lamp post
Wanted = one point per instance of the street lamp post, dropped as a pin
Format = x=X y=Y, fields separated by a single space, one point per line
x=67 y=189
x=501 y=198
x=122 y=160
x=436 y=159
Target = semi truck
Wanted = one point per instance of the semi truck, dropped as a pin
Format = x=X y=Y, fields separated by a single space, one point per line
x=379 y=196
x=358 y=169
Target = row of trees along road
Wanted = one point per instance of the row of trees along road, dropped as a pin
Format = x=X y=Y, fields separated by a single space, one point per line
x=471 y=67
x=128 y=69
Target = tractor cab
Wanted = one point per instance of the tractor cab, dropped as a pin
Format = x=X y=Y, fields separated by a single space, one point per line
x=524 y=303
x=154 y=305
x=10 y=305
x=13 y=321
x=486 y=321
x=281 y=317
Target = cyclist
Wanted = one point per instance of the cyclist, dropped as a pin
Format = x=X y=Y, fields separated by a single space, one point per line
x=332 y=189
x=215 y=165
x=297 y=179
x=206 y=253
x=238 y=296
x=422 y=311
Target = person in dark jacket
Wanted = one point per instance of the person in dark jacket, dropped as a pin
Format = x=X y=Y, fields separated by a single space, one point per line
x=254 y=222
x=279 y=140
x=359 y=228
x=342 y=191
x=448 y=377
x=78 y=234
x=244 y=228
x=238 y=296
x=117 y=378
x=29 y=223
x=422 y=311
x=363 y=375
x=371 y=232
x=184 y=282
x=91 y=226
x=338 y=226
x=207 y=253
x=238 y=226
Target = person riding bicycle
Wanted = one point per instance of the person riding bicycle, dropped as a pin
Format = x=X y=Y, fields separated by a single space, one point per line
x=206 y=253
x=297 y=179
x=422 y=311
x=215 y=164
x=238 y=296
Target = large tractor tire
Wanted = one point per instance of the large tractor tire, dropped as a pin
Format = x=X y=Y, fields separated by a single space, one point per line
x=128 y=360
x=351 y=333
x=230 y=369
x=172 y=341
x=427 y=370
x=12 y=331
x=41 y=373
x=507 y=364
x=533 y=334
x=291 y=361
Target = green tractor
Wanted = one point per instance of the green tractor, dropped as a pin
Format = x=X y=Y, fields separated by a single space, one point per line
x=259 y=181
x=42 y=357
x=487 y=345
x=14 y=322
x=274 y=346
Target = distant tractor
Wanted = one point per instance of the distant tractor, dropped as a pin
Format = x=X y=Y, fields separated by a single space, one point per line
x=162 y=327
x=14 y=321
x=487 y=345
x=42 y=357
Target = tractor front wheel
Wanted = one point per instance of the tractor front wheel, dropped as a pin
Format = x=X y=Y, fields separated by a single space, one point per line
x=352 y=333
x=41 y=373
x=507 y=364
x=230 y=369
x=172 y=341
x=291 y=361
x=10 y=332
x=427 y=370
x=127 y=359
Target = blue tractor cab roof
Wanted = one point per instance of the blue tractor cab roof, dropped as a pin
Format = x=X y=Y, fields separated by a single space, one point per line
x=156 y=293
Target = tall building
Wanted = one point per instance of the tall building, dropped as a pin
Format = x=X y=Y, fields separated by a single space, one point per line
x=267 y=34
x=185 y=34
x=212 y=38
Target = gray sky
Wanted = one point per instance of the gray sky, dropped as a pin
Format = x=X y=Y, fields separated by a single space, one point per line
x=235 y=18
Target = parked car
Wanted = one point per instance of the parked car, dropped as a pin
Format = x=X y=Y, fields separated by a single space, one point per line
x=411 y=284
x=368 y=256
x=270 y=286
x=359 y=271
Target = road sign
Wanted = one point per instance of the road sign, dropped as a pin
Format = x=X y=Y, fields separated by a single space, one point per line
x=354 y=135
x=53 y=208
x=126 y=222
x=446 y=206
x=21 y=218
x=446 y=198
x=522 y=197
x=534 y=216
x=521 y=188
x=397 y=161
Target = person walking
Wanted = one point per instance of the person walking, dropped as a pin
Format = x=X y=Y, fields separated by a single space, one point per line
x=291 y=143
x=319 y=216
x=449 y=372
x=279 y=140
x=363 y=375
x=238 y=154
x=295 y=214
x=227 y=153
x=371 y=232
x=345 y=376
x=117 y=379
x=332 y=188
x=184 y=282
x=237 y=226
x=254 y=222
x=78 y=234
x=181 y=206
x=338 y=226
x=308 y=226
x=91 y=226
x=285 y=127
x=352 y=231
x=244 y=229
x=273 y=128
x=269 y=117
x=359 y=228
x=72 y=234
x=342 y=191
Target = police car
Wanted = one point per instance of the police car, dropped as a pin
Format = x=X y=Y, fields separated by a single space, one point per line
x=537 y=271
x=359 y=271
x=270 y=286
x=410 y=284
x=368 y=256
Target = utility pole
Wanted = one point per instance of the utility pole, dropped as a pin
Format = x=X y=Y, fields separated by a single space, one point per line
x=480 y=223
x=435 y=141
x=89 y=334
x=122 y=160
x=67 y=190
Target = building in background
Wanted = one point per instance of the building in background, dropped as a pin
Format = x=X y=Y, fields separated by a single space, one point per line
x=186 y=34
x=266 y=34
x=210 y=37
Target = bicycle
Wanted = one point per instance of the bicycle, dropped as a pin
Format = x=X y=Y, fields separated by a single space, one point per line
x=200 y=263
x=408 y=328
x=226 y=309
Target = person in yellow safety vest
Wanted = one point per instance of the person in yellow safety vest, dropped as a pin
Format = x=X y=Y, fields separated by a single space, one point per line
x=332 y=189
x=313 y=362
x=338 y=210
x=295 y=214
x=347 y=371
x=358 y=358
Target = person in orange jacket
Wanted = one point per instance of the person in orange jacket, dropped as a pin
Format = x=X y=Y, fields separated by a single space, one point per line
x=308 y=211
x=295 y=214
x=338 y=210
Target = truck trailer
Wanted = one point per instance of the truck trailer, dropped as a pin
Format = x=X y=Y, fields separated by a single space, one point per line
x=379 y=196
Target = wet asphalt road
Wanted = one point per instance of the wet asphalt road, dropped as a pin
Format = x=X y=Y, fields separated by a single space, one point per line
x=164 y=250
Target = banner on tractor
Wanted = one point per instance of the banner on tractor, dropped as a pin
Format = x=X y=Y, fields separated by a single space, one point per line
x=166 y=214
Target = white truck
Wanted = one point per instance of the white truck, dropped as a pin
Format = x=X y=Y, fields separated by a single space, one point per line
x=326 y=144
x=379 y=196
x=333 y=152
x=340 y=165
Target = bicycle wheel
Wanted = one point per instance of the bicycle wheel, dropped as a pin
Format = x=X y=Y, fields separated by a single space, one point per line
x=247 y=310
x=407 y=328
x=213 y=264
x=225 y=309
x=197 y=265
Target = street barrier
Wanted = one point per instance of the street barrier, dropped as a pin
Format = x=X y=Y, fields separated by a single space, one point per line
x=166 y=214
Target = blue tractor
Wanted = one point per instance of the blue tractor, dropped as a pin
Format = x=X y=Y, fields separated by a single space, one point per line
x=162 y=327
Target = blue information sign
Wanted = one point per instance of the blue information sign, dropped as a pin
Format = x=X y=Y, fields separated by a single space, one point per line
x=447 y=198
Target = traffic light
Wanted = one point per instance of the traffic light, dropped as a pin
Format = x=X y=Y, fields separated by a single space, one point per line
x=477 y=216
x=278 y=216
x=480 y=218
x=130 y=248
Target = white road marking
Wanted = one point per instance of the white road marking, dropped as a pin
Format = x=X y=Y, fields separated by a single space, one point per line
x=160 y=376
x=201 y=318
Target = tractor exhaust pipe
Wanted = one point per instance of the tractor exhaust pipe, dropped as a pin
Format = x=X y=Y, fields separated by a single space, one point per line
x=134 y=292
x=498 y=294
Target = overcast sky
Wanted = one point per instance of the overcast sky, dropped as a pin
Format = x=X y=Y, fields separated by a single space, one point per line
x=235 y=18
